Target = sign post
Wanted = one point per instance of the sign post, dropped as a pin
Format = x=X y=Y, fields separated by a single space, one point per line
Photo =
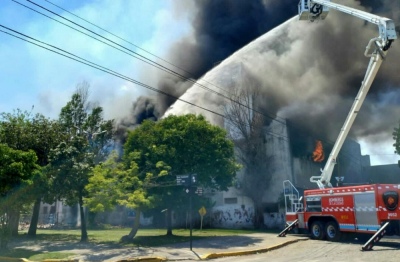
x=202 y=212
x=190 y=209
x=188 y=180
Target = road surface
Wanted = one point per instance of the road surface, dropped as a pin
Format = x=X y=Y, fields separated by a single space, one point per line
x=387 y=250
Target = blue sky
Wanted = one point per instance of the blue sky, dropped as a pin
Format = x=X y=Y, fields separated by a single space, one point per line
x=31 y=76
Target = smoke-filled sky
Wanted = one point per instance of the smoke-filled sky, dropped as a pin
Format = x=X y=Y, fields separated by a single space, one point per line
x=309 y=72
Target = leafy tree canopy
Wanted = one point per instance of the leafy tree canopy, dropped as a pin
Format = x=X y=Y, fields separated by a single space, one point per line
x=182 y=145
x=111 y=184
x=88 y=137
x=23 y=131
x=16 y=168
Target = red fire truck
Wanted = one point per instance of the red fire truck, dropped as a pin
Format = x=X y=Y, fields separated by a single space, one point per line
x=328 y=212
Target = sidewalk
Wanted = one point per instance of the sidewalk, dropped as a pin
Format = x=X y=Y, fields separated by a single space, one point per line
x=212 y=247
x=203 y=249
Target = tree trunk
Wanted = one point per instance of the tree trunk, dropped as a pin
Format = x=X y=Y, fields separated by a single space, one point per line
x=169 y=222
x=84 y=235
x=14 y=222
x=35 y=218
x=91 y=219
x=5 y=232
x=136 y=225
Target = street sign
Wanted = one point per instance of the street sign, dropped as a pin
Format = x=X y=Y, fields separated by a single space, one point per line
x=202 y=211
x=199 y=191
x=184 y=180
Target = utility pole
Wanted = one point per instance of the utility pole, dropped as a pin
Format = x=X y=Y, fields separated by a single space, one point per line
x=190 y=209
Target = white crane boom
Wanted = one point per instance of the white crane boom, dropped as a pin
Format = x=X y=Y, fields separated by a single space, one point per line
x=318 y=9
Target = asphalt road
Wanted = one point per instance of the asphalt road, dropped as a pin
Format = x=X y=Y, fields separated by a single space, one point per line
x=323 y=251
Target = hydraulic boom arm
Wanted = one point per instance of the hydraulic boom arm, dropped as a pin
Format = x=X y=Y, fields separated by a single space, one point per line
x=318 y=9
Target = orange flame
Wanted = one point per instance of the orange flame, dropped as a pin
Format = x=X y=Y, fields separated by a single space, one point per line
x=318 y=154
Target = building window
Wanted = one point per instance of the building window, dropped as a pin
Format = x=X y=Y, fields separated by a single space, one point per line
x=45 y=210
x=230 y=200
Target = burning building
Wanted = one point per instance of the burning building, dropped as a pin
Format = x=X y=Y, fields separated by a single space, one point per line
x=308 y=74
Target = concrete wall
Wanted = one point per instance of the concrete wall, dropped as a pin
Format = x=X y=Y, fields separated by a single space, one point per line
x=232 y=216
x=278 y=152
x=350 y=163
x=57 y=213
x=274 y=220
x=384 y=174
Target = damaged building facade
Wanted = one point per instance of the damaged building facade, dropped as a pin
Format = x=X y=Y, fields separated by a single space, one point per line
x=291 y=159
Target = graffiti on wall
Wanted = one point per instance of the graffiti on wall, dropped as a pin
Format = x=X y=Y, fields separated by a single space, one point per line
x=232 y=216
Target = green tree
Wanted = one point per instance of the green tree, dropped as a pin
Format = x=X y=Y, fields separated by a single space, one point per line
x=88 y=139
x=178 y=145
x=16 y=171
x=21 y=130
x=114 y=184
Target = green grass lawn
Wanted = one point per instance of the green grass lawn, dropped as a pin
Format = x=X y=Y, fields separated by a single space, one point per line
x=144 y=237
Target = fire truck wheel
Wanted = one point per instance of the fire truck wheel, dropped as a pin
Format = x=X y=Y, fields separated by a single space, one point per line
x=317 y=230
x=332 y=231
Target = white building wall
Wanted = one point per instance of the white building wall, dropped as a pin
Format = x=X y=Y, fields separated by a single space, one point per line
x=280 y=157
x=234 y=211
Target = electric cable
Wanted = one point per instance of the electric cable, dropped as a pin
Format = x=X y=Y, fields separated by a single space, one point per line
x=143 y=58
x=76 y=58
x=146 y=60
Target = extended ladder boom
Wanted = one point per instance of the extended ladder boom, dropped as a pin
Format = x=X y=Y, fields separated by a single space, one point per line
x=324 y=179
x=314 y=8
x=318 y=9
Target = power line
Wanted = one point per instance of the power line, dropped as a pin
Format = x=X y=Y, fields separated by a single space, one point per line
x=146 y=60
x=149 y=61
x=81 y=60
x=96 y=66
x=275 y=118
x=126 y=41
x=157 y=65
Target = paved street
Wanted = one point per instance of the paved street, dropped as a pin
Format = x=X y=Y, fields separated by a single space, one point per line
x=323 y=251
x=267 y=247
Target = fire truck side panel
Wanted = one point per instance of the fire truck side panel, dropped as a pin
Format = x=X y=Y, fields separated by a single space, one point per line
x=385 y=212
x=366 y=212
x=340 y=207
x=312 y=208
x=291 y=217
x=301 y=220
x=361 y=209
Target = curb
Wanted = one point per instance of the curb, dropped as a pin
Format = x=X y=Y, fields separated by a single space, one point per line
x=139 y=259
x=60 y=260
x=144 y=259
x=249 y=252
x=4 y=259
x=11 y=259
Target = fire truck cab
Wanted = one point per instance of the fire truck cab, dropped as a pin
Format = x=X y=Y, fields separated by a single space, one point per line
x=327 y=212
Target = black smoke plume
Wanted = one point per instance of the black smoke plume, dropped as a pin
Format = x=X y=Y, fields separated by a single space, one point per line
x=220 y=27
x=311 y=72
x=326 y=64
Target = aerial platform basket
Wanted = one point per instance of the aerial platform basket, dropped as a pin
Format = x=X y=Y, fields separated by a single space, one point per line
x=309 y=10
